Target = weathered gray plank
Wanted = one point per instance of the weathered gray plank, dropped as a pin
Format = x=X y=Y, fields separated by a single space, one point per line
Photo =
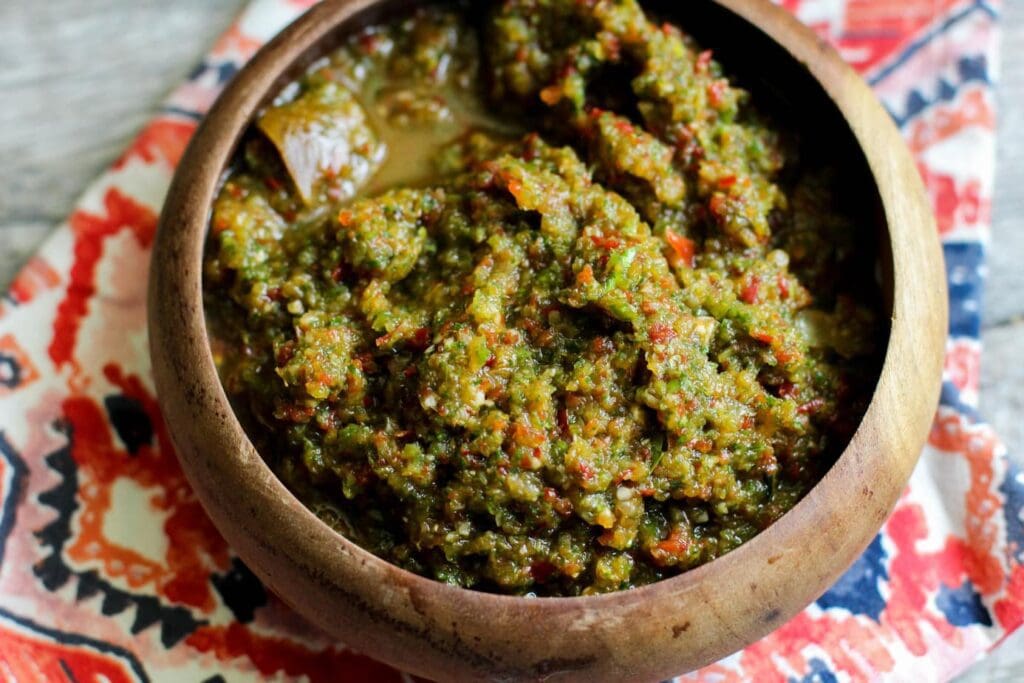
x=1006 y=274
x=19 y=240
x=1002 y=384
x=1001 y=398
x=77 y=84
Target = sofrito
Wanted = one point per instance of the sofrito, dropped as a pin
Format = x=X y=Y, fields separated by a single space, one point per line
x=534 y=300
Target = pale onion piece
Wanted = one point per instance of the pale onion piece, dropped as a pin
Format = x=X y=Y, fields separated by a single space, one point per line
x=323 y=132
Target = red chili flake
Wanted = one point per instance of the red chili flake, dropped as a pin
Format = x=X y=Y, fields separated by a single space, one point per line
x=748 y=422
x=515 y=187
x=624 y=475
x=369 y=42
x=410 y=371
x=606 y=242
x=716 y=92
x=751 y=290
x=235 y=191
x=625 y=127
x=289 y=215
x=585 y=276
x=541 y=570
x=675 y=544
x=785 y=355
x=727 y=182
x=703 y=61
x=522 y=53
x=273 y=183
x=296 y=413
x=345 y=218
x=602 y=345
x=274 y=294
x=660 y=332
x=787 y=389
x=684 y=247
x=702 y=445
x=762 y=336
x=585 y=470
x=783 y=285
x=338 y=273
x=812 y=406
x=220 y=225
x=420 y=339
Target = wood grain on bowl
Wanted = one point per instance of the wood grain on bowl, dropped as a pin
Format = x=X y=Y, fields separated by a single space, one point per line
x=655 y=631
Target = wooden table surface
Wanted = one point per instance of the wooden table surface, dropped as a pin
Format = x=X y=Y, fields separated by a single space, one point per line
x=76 y=86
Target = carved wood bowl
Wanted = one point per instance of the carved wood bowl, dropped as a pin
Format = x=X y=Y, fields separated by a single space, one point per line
x=652 y=632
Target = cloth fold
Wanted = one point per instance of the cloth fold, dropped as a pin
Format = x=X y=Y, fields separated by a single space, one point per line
x=108 y=565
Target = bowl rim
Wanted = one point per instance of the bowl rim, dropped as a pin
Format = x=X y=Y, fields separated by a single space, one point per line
x=193 y=400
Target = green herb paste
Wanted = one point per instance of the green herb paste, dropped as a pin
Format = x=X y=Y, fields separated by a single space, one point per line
x=538 y=303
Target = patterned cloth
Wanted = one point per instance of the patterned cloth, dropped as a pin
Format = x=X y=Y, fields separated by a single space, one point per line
x=109 y=567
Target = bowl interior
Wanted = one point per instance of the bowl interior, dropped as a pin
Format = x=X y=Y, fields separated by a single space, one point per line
x=781 y=85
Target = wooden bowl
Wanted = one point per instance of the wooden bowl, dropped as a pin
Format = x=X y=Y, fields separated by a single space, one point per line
x=653 y=632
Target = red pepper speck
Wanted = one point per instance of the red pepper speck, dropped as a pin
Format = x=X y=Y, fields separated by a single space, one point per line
x=605 y=242
x=783 y=286
x=750 y=292
x=703 y=61
x=716 y=93
x=682 y=246
x=659 y=333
